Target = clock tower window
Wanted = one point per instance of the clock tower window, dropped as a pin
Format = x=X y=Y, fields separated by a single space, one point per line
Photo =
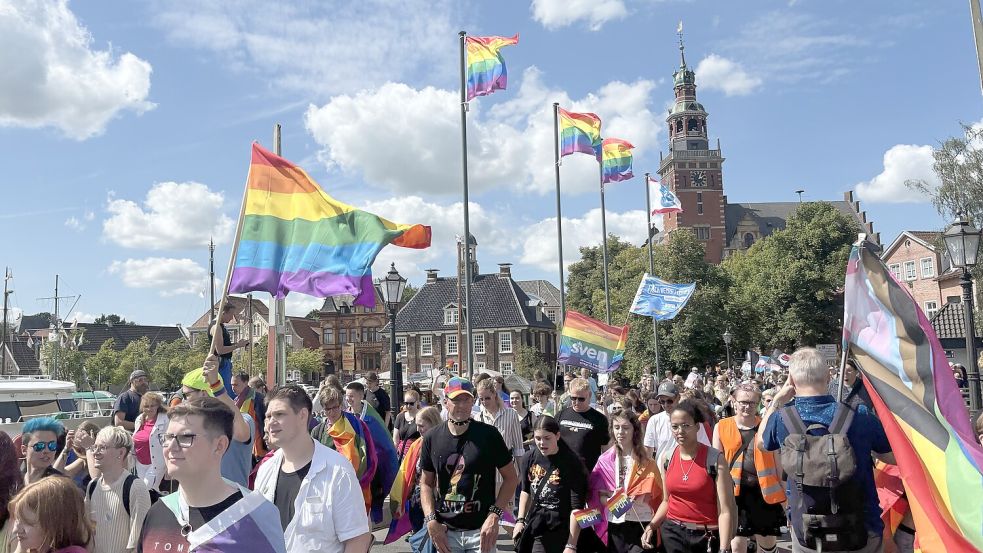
x=699 y=203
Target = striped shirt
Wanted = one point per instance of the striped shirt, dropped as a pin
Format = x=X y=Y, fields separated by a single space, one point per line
x=117 y=532
x=506 y=420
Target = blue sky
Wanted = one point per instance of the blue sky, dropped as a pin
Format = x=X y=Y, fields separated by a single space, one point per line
x=126 y=126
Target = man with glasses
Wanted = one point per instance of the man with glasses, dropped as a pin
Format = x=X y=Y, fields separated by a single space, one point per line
x=314 y=488
x=117 y=501
x=39 y=445
x=658 y=435
x=207 y=513
x=582 y=427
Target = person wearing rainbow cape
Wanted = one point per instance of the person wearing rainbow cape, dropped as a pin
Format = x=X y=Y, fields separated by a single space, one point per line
x=625 y=486
x=344 y=433
x=404 y=498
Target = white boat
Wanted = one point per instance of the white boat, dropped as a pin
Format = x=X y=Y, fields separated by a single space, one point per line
x=26 y=397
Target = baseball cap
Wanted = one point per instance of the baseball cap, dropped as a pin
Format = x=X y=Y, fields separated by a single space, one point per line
x=196 y=380
x=668 y=389
x=457 y=386
x=137 y=374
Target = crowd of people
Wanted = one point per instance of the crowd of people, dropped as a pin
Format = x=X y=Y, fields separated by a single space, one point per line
x=711 y=461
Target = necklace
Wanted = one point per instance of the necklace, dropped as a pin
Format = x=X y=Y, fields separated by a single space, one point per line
x=685 y=470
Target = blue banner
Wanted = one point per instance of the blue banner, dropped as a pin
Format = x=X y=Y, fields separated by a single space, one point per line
x=659 y=299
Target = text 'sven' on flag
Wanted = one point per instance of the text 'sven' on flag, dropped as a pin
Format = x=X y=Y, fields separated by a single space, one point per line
x=919 y=404
x=616 y=160
x=659 y=299
x=667 y=201
x=579 y=133
x=589 y=343
x=297 y=238
x=486 y=71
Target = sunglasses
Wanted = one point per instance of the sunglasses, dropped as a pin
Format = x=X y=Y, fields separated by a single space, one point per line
x=666 y=401
x=578 y=399
x=39 y=447
x=409 y=403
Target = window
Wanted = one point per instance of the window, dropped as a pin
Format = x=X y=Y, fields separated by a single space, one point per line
x=479 y=366
x=928 y=267
x=290 y=339
x=699 y=203
x=370 y=334
x=426 y=367
x=702 y=233
x=895 y=270
x=255 y=329
x=931 y=308
x=479 y=343
x=342 y=335
x=450 y=316
x=328 y=336
x=451 y=342
x=504 y=342
x=354 y=335
x=551 y=313
x=505 y=367
x=426 y=345
x=748 y=240
x=401 y=342
x=909 y=270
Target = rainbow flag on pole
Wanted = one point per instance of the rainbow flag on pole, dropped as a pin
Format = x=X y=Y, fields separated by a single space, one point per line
x=615 y=160
x=296 y=238
x=486 y=71
x=587 y=342
x=579 y=132
x=918 y=403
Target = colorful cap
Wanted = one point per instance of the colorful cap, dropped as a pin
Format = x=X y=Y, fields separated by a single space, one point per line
x=457 y=386
x=196 y=380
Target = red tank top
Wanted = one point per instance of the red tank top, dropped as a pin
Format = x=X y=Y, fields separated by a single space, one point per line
x=695 y=498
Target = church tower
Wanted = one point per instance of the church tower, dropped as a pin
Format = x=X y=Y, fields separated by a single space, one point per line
x=692 y=170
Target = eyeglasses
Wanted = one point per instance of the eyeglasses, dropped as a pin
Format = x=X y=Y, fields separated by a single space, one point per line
x=101 y=448
x=678 y=427
x=666 y=401
x=578 y=399
x=747 y=403
x=332 y=408
x=183 y=440
x=409 y=403
x=39 y=447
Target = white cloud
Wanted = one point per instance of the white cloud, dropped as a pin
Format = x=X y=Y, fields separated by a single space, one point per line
x=322 y=47
x=554 y=14
x=173 y=216
x=720 y=73
x=408 y=140
x=53 y=77
x=80 y=224
x=539 y=247
x=169 y=276
x=299 y=305
x=81 y=317
x=902 y=162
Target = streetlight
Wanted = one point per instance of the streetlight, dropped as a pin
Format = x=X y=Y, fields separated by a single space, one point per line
x=392 y=292
x=962 y=241
x=727 y=338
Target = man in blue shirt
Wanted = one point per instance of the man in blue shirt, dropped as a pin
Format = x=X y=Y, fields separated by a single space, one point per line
x=808 y=384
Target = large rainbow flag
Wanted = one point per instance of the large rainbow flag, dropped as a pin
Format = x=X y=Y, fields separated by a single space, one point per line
x=579 y=132
x=587 y=342
x=615 y=160
x=486 y=71
x=918 y=403
x=297 y=238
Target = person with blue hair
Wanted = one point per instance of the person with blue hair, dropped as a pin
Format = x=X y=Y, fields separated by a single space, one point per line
x=41 y=439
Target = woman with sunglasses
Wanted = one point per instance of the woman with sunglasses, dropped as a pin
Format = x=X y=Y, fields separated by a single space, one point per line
x=40 y=443
x=405 y=431
x=698 y=510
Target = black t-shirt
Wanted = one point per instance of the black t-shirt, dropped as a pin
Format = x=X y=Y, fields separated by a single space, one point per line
x=465 y=466
x=565 y=479
x=585 y=433
x=162 y=532
x=406 y=429
x=129 y=403
x=382 y=403
x=226 y=340
x=287 y=487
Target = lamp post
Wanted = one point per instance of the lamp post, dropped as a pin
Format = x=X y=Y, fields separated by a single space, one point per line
x=727 y=338
x=962 y=242
x=392 y=292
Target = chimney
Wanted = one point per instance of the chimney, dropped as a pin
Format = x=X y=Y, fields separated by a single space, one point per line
x=432 y=275
x=504 y=270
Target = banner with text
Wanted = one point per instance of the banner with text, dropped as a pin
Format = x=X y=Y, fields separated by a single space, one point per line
x=659 y=299
x=587 y=342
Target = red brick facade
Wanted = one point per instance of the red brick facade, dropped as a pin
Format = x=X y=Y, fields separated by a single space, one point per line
x=915 y=261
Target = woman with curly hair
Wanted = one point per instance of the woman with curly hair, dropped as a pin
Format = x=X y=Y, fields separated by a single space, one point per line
x=49 y=517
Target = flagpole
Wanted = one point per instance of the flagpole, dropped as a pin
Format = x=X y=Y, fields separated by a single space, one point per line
x=559 y=218
x=278 y=315
x=467 y=221
x=604 y=245
x=648 y=217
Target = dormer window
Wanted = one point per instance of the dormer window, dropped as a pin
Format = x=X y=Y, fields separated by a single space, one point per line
x=450 y=314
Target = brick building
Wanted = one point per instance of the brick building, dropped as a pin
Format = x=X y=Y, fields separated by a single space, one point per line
x=355 y=328
x=918 y=259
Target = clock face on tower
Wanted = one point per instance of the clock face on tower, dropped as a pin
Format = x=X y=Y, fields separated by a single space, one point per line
x=699 y=178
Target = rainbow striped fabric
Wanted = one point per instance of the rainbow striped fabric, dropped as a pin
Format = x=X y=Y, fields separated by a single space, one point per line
x=297 y=238
x=918 y=403
x=486 y=71
x=615 y=160
x=587 y=342
x=579 y=132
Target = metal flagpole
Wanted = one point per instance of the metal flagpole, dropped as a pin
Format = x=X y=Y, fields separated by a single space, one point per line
x=977 y=19
x=559 y=216
x=604 y=246
x=278 y=316
x=467 y=221
x=648 y=217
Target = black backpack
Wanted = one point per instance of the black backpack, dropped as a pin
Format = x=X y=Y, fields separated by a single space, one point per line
x=826 y=503
x=127 y=485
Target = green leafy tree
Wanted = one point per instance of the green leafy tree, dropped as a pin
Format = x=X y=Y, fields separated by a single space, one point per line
x=585 y=280
x=408 y=293
x=171 y=361
x=136 y=355
x=101 y=365
x=528 y=360
x=313 y=314
x=112 y=319
x=308 y=361
x=64 y=363
x=787 y=288
x=240 y=362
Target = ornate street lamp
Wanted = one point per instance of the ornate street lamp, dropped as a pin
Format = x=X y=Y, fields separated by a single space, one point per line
x=727 y=339
x=962 y=242
x=392 y=293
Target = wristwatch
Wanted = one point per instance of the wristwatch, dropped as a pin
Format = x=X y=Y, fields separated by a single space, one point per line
x=430 y=517
x=495 y=510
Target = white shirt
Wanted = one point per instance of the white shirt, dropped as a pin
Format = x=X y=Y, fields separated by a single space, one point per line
x=640 y=510
x=329 y=507
x=506 y=420
x=659 y=436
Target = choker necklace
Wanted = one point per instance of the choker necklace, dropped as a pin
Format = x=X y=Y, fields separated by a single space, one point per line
x=460 y=423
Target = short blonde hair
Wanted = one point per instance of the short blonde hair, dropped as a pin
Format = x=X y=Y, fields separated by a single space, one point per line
x=429 y=415
x=807 y=367
x=487 y=385
x=117 y=437
x=578 y=384
x=328 y=394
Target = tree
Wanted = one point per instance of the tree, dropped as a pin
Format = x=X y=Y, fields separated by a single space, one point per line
x=585 y=279
x=70 y=363
x=787 y=288
x=171 y=361
x=314 y=314
x=136 y=355
x=308 y=361
x=528 y=360
x=408 y=293
x=112 y=319
x=102 y=364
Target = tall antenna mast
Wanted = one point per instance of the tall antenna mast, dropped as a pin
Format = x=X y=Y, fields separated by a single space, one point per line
x=56 y=329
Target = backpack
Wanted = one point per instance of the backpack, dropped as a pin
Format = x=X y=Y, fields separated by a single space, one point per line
x=127 y=485
x=820 y=469
x=713 y=455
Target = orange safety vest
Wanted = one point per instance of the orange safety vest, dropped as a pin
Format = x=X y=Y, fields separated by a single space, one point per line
x=769 y=476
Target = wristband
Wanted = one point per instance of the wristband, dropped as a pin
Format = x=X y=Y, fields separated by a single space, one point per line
x=216 y=385
x=570 y=546
x=520 y=519
x=219 y=392
x=495 y=510
x=429 y=518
